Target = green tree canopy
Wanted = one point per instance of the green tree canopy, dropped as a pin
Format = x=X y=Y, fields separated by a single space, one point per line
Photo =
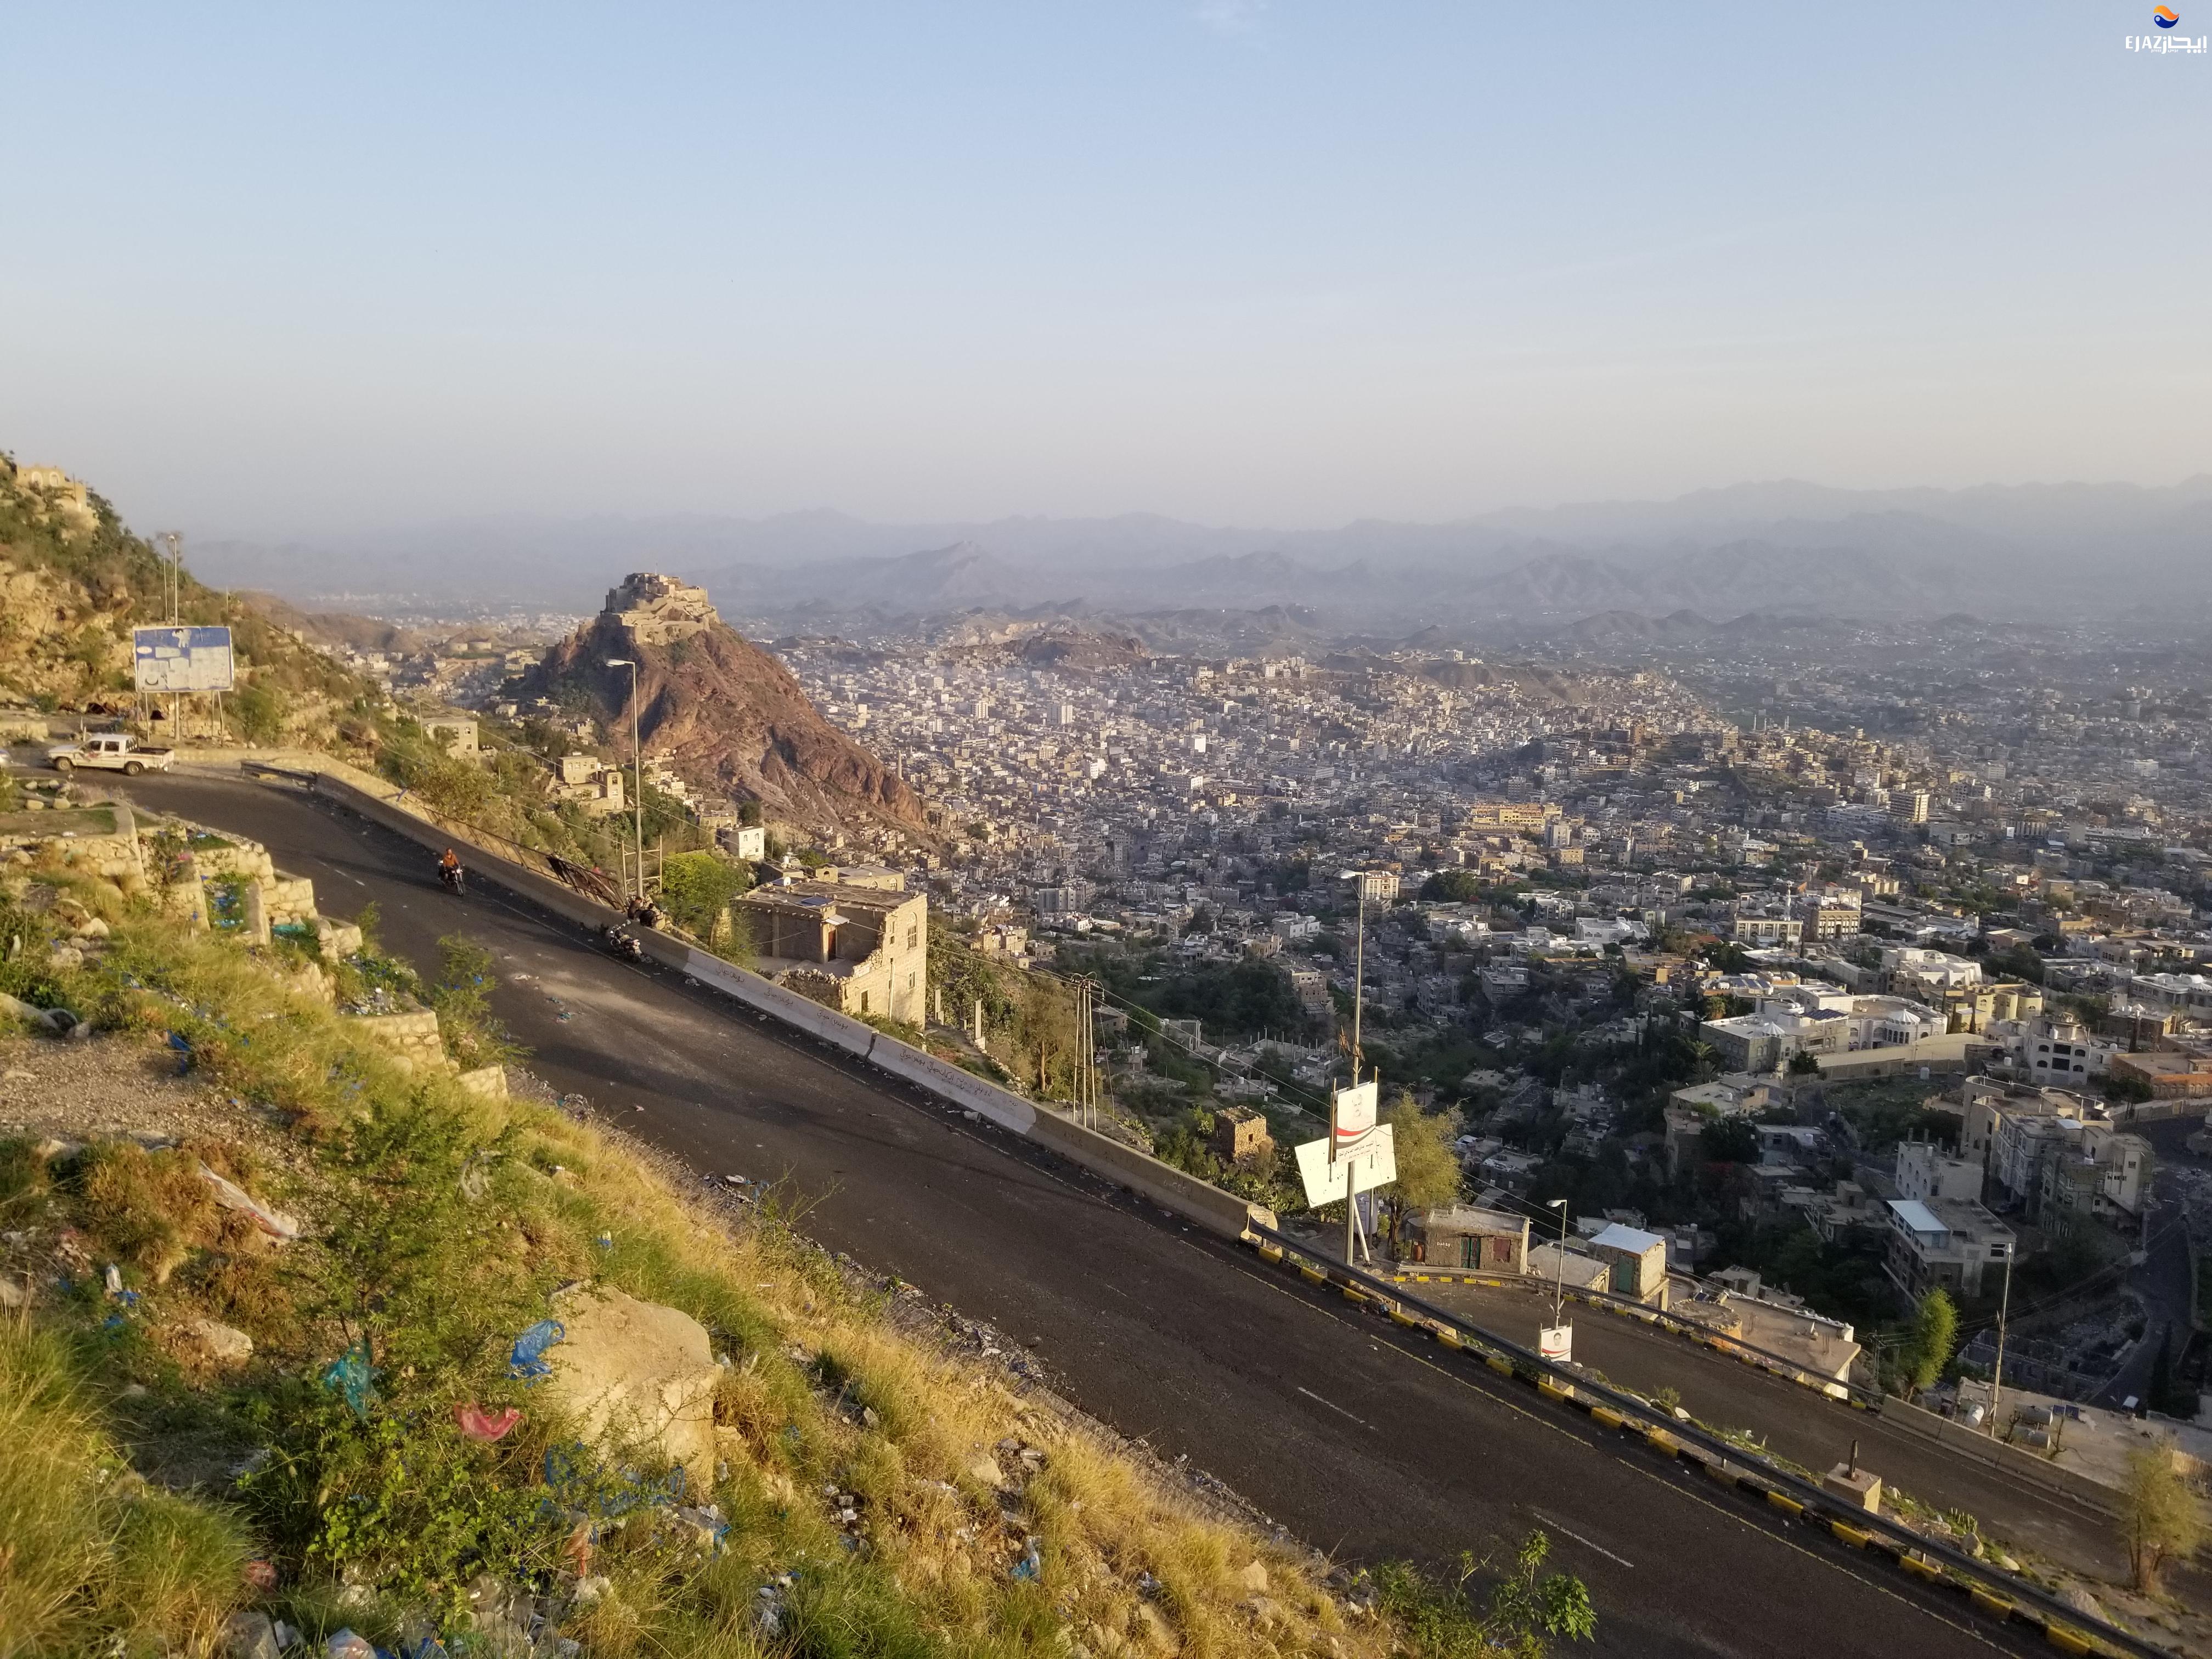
x=1934 y=1335
x=1453 y=887
x=694 y=886
x=2162 y=1518
x=1428 y=1164
x=1731 y=1140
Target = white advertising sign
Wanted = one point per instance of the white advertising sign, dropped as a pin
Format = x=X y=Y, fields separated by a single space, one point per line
x=1353 y=1112
x=1556 y=1343
x=181 y=659
x=1374 y=1164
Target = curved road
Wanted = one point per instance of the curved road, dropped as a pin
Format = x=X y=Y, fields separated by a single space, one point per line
x=1364 y=1443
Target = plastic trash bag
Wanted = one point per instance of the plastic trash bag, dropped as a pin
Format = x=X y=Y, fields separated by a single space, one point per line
x=231 y=1196
x=346 y=1646
x=477 y=1423
x=350 y=1375
x=526 y=1359
x=584 y=1484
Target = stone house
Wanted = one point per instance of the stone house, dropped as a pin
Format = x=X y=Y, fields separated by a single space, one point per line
x=862 y=950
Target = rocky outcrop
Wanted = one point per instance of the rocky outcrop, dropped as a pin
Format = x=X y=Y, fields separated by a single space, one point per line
x=636 y=1375
x=729 y=717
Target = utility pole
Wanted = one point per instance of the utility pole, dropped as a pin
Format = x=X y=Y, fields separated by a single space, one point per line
x=1359 y=975
x=1559 y=1278
x=2004 y=1306
x=172 y=543
x=1080 y=1094
x=637 y=772
x=1358 y=999
x=1351 y=1207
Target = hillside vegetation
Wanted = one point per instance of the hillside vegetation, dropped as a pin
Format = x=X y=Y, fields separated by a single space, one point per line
x=73 y=584
x=164 y=1487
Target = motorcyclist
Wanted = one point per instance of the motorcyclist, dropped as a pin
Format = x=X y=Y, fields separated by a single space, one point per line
x=449 y=868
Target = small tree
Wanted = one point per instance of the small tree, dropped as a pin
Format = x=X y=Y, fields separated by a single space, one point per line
x=258 y=712
x=462 y=997
x=1935 y=1335
x=1802 y=1064
x=1428 y=1164
x=1525 y=1608
x=694 y=886
x=2162 y=1518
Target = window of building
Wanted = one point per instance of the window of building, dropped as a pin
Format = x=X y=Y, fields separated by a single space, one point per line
x=864 y=1002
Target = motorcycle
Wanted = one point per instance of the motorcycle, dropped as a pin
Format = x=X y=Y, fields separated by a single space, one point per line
x=621 y=942
x=451 y=875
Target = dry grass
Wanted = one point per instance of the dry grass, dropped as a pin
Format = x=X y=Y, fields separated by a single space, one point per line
x=91 y=1559
x=826 y=1404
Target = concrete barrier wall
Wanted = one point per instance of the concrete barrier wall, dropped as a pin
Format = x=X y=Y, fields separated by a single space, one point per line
x=2020 y=1465
x=1171 y=1189
x=963 y=1089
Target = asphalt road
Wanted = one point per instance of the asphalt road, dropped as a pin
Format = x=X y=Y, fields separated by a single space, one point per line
x=1363 y=1442
x=2161 y=1279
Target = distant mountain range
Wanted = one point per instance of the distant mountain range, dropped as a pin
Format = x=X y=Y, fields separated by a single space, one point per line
x=1788 y=546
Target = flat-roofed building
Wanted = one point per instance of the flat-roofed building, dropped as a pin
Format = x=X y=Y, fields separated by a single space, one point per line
x=861 y=951
x=1466 y=1237
x=1637 y=1260
x=2168 y=1075
x=1941 y=1244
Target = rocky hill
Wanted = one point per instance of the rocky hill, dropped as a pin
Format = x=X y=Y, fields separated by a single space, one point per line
x=725 y=715
x=74 y=580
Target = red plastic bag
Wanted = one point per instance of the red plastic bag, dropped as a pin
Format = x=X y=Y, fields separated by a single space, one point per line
x=477 y=1423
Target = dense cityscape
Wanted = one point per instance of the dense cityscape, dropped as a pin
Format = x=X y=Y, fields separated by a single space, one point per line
x=1224 y=829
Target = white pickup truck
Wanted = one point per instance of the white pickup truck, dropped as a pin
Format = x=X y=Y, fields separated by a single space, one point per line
x=110 y=752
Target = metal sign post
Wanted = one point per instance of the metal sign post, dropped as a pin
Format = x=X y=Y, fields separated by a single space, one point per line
x=1558 y=1334
x=1332 y=1173
x=1352 y=1120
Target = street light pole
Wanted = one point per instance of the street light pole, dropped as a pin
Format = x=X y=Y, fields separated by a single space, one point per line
x=1559 y=1266
x=637 y=775
x=1358 y=978
x=1996 y=1375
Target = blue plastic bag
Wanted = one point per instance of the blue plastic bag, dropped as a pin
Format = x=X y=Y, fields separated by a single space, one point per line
x=526 y=1359
x=350 y=1375
x=581 y=1482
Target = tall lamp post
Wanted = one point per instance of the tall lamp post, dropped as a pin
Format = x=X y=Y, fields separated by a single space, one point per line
x=1560 y=1275
x=2004 y=1307
x=1358 y=970
x=637 y=775
x=1358 y=1000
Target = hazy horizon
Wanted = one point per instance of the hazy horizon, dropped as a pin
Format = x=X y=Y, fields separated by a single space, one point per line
x=1232 y=264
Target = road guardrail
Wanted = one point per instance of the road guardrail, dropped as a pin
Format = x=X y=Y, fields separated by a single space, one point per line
x=1992 y=1590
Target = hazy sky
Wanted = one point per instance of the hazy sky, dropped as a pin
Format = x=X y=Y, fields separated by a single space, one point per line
x=274 y=270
